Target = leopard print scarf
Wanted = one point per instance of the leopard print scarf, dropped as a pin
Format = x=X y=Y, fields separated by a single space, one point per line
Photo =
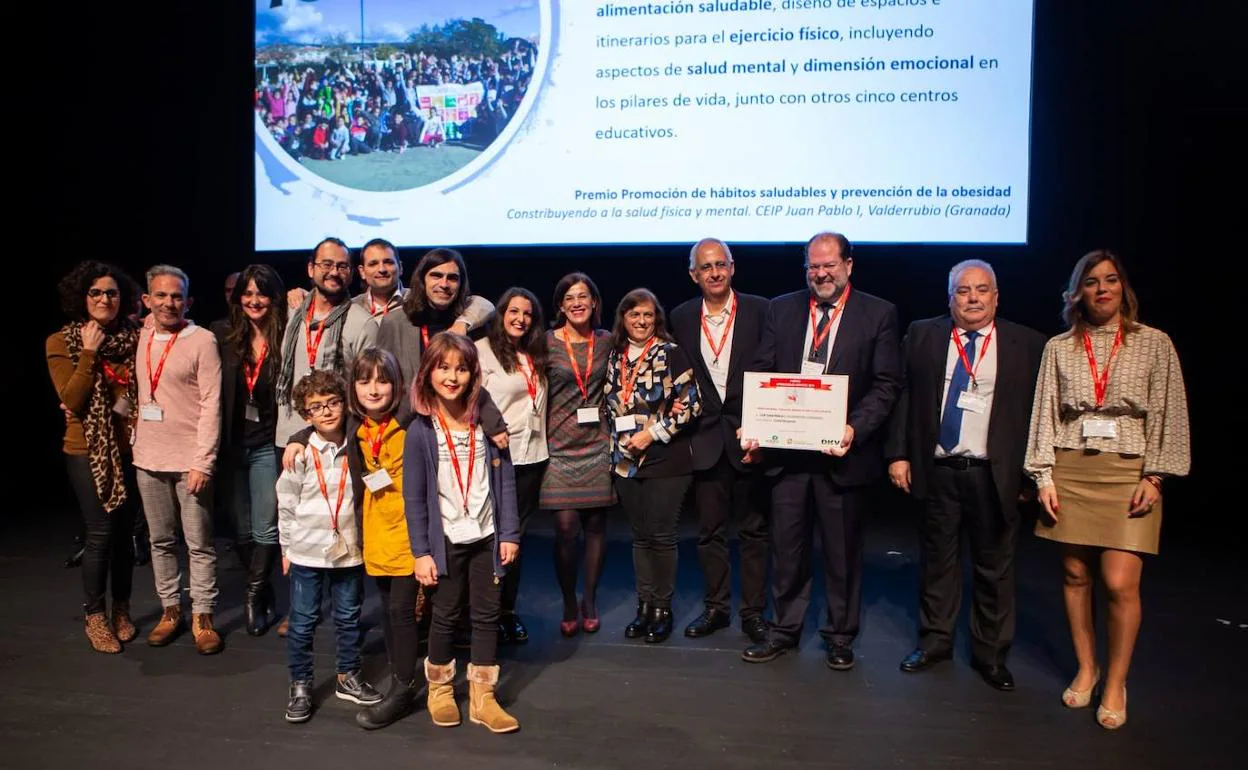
x=103 y=450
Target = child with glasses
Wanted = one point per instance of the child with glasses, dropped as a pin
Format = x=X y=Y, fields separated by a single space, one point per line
x=320 y=539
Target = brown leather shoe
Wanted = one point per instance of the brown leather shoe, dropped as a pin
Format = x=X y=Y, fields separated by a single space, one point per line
x=283 y=627
x=100 y=635
x=167 y=629
x=123 y=625
x=207 y=640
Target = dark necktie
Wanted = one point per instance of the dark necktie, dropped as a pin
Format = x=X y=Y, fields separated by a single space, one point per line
x=819 y=352
x=951 y=419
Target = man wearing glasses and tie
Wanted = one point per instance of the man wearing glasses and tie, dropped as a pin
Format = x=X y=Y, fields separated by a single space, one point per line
x=828 y=328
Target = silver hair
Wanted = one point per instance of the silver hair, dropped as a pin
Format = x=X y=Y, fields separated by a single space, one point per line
x=967 y=264
x=156 y=271
x=693 y=252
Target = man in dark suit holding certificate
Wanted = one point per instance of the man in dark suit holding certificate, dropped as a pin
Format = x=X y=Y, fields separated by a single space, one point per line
x=720 y=332
x=956 y=444
x=827 y=328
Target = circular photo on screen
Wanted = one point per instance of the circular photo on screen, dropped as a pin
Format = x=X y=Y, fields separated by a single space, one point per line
x=386 y=95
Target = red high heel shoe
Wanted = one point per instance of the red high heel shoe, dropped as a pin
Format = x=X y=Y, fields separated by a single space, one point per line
x=569 y=627
x=589 y=623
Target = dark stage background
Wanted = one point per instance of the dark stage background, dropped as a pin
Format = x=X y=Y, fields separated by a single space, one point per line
x=1137 y=111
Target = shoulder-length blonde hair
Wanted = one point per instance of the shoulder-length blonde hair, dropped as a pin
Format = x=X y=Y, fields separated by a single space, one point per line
x=1075 y=314
x=443 y=344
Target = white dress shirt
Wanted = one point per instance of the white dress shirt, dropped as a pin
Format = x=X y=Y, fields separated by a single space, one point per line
x=836 y=327
x=716 y=322
x=973 y=440
x=525 y=418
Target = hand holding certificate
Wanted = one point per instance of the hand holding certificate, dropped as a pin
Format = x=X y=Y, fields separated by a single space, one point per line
x=796 y=411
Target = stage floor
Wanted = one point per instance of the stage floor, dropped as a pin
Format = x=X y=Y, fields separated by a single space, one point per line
x=604 y=702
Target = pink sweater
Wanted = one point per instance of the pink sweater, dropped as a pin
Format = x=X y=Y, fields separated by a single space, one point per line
x=189 y=392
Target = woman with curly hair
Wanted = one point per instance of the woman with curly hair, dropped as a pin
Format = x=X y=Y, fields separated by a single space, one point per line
x=91 y=361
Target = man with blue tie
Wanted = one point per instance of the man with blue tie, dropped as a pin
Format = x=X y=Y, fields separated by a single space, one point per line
x=956 y=444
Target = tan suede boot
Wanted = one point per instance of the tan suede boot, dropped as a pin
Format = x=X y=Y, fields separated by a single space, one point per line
x=483 y=709
x=207 y=640
x=441 y=698
x=169 y=626
x=101 y=635
x=123 y=625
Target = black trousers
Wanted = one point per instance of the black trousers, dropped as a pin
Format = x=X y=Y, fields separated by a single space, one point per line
x=959 y=500
x=109 y=537
x=721 y=494
x=469 y=583
x=528 y=492
x=798 y=502
x=653 y=509
x=398 y=624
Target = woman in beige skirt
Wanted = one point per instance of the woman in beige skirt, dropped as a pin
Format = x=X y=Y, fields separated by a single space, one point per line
x=1109 y=423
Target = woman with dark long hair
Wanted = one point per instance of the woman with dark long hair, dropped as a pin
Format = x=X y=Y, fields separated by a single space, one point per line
x=513 y=371
x=1108 y=425
x=248 y=461
x=91 y=362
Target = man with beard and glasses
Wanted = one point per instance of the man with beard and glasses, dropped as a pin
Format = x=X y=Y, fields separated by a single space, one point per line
x=956 y=445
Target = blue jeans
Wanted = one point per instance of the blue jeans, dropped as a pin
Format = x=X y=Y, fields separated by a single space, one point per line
x=253 y=498
x=346 y=592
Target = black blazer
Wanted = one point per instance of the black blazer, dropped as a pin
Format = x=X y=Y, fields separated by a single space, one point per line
x=915 y=425
x=715 y=432
x=867 y=349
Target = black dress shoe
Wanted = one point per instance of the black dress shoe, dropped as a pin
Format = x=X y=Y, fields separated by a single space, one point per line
x=640 y=624
x=922 y=660
x=707 y=623
x=755 y=628
x=840 y=657
x=764 y=651
x=660 y=625
x=998 y=677
x=516 y=629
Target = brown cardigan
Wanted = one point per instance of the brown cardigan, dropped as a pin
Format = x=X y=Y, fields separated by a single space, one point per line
x=73 y=386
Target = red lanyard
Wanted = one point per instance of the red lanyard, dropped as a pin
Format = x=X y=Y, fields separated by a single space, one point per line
x=343 y=480
x=313 y=344
x=706 y=330
x=251 y=375
x=628 y=377
x=530 y=376
x=582 y=383
x=424 y=337
x=463 y=483
x=814 y=324
x=153 y=377
x=966 y=361
x=1100 y=381
x=372 y=306
x=374 y=442
x=112 y=376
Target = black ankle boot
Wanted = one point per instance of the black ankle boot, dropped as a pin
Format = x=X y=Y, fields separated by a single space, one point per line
x=396 y=705
x=660 y=626
x=641 y=623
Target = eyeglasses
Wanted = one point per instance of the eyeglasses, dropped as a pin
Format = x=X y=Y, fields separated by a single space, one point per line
x=710 y=267
x=324 y=407
x=828 y=267
x=107 y=293
x=333 y=267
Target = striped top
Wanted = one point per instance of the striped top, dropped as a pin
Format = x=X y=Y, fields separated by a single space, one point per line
x=304 y=526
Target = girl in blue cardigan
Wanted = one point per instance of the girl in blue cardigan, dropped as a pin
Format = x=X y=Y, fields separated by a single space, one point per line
x=459 y=494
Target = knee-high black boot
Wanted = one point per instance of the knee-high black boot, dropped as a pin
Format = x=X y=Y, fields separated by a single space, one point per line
x=260 y=565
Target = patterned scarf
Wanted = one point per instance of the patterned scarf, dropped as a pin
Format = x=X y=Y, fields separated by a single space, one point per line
x=333 y=324
x=103 y=449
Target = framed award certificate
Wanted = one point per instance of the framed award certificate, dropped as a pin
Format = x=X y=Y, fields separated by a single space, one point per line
x=795 y=411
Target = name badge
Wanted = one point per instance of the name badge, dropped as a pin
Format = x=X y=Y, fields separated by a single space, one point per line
x=1096 y=427
x=338 y=548
x=151 y=413
x=251 y=413
x=587 y=415
x=378 y=480
x=464 y=530
x=813 y=367
x=122 y=406
x=969 y=401
x=625 y=423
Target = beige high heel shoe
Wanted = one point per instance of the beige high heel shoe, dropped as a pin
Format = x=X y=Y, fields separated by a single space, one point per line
x=1111 y=719
x=1078 y=699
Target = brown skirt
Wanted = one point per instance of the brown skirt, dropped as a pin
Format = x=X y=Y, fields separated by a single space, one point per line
x=1094 y=492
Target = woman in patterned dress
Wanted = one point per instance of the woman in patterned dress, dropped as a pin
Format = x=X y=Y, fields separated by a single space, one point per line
x=1108 y=425
x=577 y=483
